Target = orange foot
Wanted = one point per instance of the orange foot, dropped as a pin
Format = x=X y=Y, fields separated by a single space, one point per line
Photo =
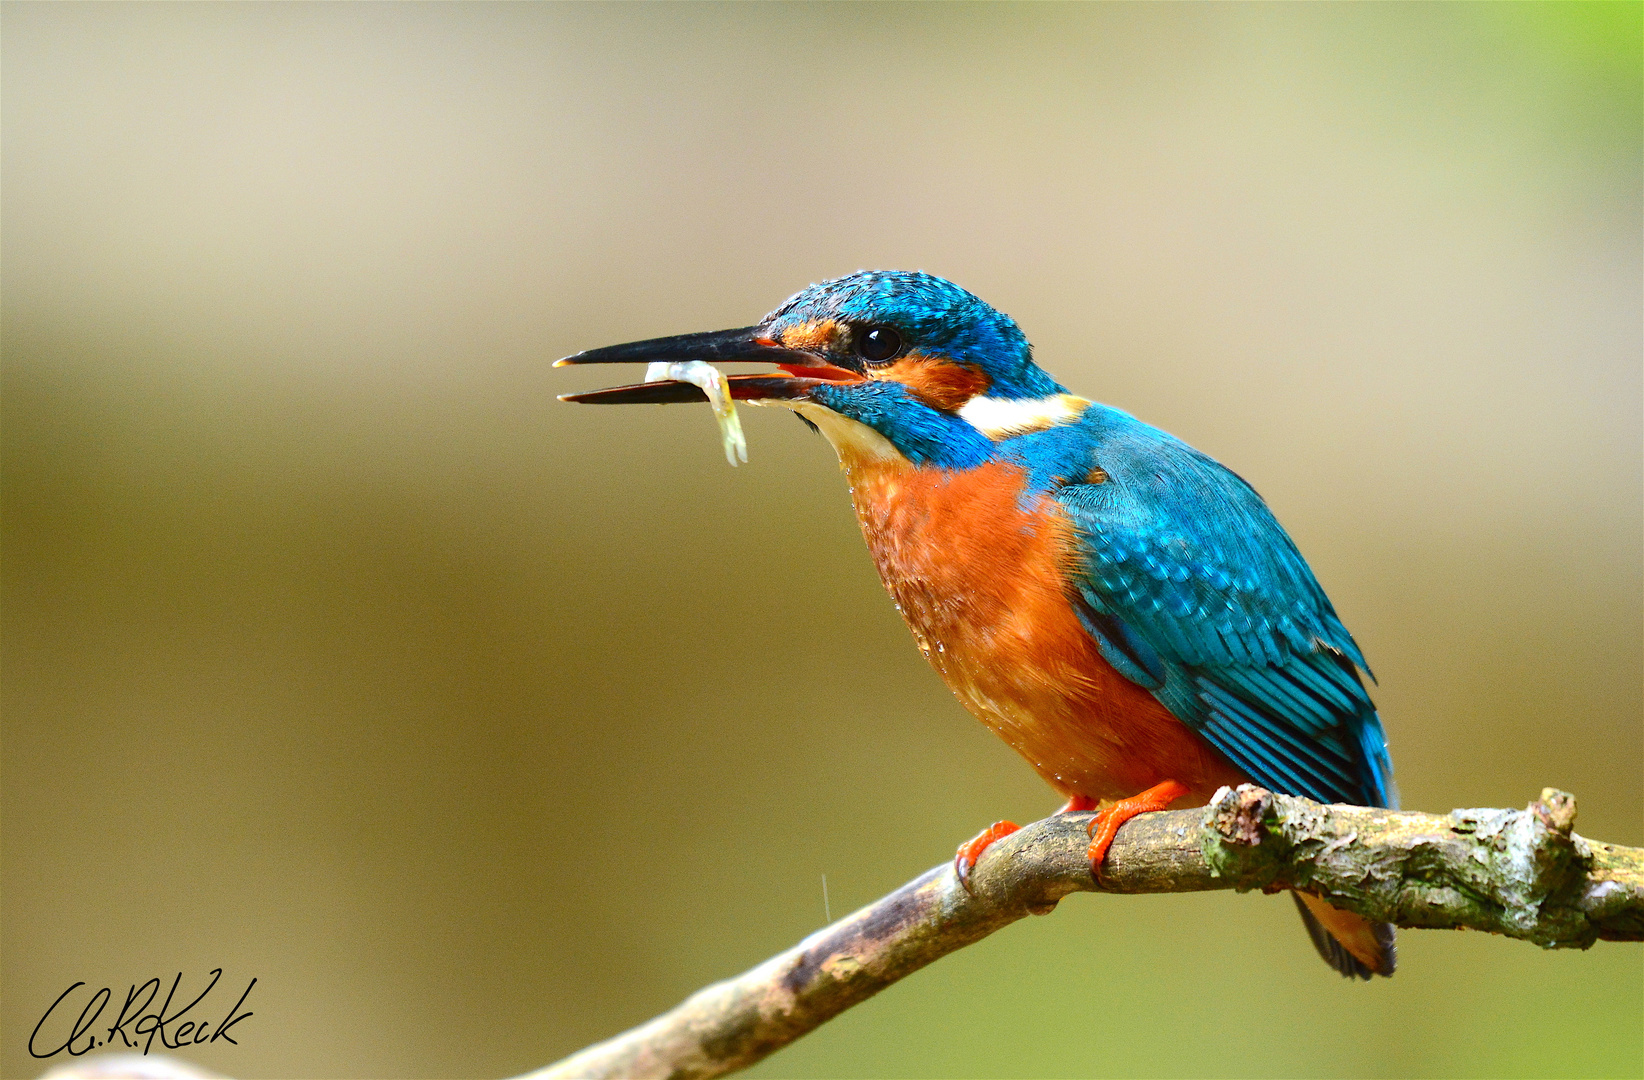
x=964 y=861
x=971 y=850
x=1105 y=825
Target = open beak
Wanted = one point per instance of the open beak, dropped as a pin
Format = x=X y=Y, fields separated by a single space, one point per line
x=745 y=344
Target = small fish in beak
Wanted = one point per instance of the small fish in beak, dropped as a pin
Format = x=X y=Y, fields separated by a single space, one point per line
x=711 y=380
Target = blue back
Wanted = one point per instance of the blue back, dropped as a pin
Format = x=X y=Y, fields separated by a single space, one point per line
x=1193 y=590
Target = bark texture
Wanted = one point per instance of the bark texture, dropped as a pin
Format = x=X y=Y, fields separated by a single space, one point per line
x=1520 y=873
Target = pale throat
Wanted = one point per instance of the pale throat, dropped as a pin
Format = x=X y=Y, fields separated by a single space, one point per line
x=857 y=445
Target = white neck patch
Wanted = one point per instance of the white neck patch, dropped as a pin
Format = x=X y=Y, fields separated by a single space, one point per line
x=1000 y=418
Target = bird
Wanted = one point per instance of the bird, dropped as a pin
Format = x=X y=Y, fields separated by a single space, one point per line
x=1121 y=609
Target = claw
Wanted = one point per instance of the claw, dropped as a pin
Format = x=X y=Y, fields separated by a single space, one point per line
x=964 y=860
x=1105 y=825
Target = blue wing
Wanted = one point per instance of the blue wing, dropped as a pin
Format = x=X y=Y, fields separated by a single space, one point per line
x=1192 y=589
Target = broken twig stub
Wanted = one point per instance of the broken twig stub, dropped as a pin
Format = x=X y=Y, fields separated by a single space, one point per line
x=1522 y=873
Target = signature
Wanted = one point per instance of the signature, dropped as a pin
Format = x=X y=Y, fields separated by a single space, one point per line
x=135 y=1020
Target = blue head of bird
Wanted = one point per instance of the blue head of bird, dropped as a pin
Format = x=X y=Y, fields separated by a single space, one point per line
x=886 y=364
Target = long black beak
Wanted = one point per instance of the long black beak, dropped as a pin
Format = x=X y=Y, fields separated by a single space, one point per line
x=742 y=345
x=714 y=346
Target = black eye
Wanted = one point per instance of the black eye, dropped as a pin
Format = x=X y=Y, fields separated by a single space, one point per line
x=878 y=344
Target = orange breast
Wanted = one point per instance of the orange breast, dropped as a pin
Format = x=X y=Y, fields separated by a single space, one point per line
x=980 y=583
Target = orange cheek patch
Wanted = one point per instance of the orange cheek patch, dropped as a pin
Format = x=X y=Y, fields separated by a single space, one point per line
x=936 y=381
x=811 y=337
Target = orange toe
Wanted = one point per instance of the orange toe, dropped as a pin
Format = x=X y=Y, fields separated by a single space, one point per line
x=964 y=861
x=1105 y=826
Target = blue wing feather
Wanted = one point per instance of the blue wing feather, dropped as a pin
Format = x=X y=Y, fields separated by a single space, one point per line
x=1192 y=589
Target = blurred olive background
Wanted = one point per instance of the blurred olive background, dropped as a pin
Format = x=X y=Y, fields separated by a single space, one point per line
x=479 y=727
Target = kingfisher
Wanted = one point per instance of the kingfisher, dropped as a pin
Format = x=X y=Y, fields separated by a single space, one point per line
x=1121 y=609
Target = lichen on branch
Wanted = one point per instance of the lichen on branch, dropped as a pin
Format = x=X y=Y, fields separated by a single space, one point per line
x=1520 y=873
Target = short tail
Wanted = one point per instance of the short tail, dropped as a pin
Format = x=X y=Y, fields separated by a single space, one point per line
x=1352 y=944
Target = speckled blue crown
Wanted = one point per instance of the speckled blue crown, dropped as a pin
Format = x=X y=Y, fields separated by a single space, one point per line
x=934 y=312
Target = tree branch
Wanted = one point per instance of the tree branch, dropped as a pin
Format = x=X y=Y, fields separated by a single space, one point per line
x=1521 y=873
